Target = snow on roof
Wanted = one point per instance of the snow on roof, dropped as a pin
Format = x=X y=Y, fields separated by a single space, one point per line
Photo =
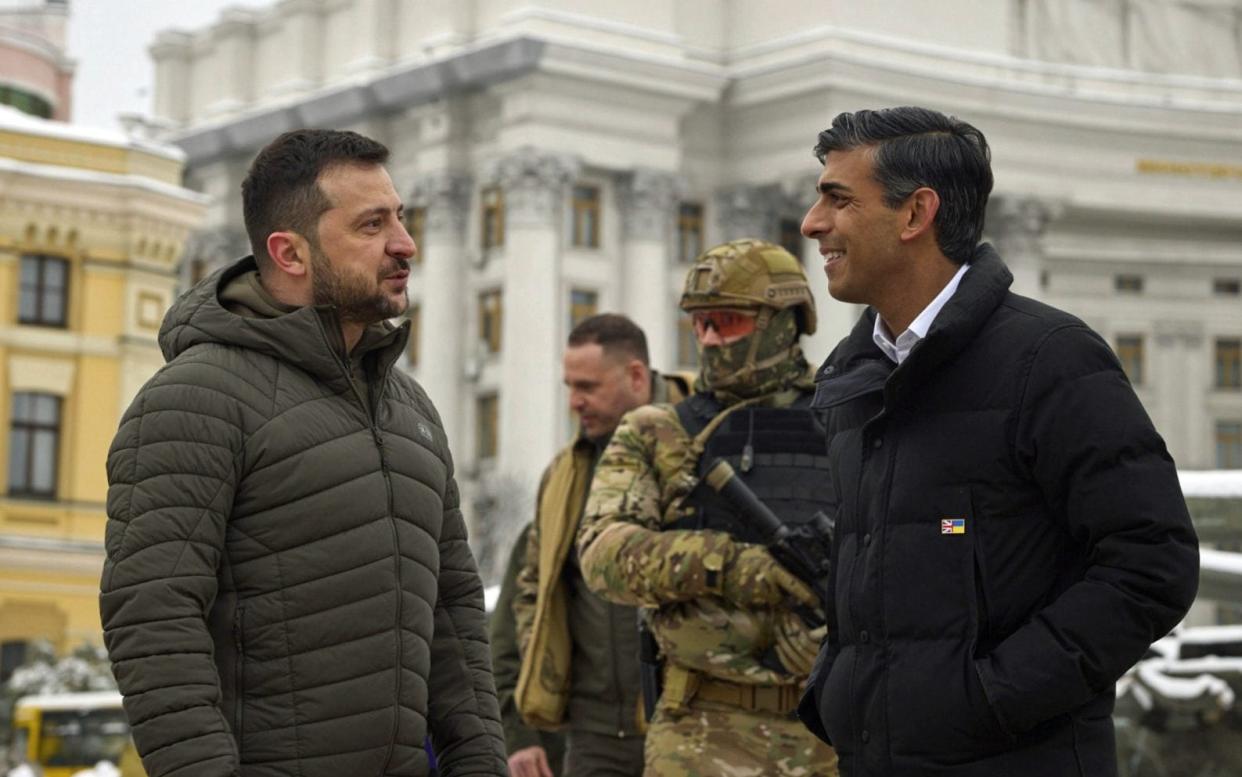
x=1220 y=561
x=14 y=120
x=90 y=700
x=57 y=172
x=1210 y=634
x=1211 y=483
x=1152 y=675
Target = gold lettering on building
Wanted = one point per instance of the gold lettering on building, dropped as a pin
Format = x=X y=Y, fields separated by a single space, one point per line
x=1189 y=169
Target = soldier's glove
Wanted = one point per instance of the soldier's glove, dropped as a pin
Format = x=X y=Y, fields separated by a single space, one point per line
x=752 y=578
x=797 y=644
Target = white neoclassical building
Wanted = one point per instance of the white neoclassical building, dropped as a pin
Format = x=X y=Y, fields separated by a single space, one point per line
x=567 y=156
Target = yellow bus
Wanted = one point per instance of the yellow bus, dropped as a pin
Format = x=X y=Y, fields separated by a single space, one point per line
x=61 y=734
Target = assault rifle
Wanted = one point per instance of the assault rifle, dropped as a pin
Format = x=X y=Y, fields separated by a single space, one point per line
x=805 y=549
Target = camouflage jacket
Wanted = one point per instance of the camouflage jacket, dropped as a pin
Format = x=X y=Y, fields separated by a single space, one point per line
x=647 y=469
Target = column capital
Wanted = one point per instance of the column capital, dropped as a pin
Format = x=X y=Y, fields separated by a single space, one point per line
x=748 y=210
x=1186 y=333
x=1018 y=225
x=213 y=248
x=446 y=196
x=534 y=184
x=648 y=199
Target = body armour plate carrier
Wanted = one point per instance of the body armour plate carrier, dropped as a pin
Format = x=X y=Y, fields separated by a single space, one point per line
x=780 y=453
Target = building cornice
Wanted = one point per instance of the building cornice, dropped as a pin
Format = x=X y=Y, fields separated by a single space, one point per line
x=471 y=68
x=408 y=86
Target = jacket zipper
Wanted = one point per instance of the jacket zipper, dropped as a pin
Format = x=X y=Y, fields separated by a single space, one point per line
x=239 y=685
x=372 y=410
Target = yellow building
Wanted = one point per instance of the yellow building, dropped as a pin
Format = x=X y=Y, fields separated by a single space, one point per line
x=92 y=225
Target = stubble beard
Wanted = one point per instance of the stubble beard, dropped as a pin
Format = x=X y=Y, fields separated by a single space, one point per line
x=354 y=298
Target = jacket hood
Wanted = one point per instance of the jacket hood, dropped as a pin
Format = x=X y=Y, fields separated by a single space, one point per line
x=308 y=338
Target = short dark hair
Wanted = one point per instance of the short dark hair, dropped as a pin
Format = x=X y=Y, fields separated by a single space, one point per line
x=919 y=147
x=612 y=332
x=281 y=190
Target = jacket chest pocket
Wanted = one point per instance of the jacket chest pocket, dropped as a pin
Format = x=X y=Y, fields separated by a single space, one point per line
x=935 y=567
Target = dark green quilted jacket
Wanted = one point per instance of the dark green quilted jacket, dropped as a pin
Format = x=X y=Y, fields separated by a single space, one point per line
x=288 y=589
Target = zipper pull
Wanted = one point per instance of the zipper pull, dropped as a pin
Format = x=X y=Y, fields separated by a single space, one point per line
x=748 y=458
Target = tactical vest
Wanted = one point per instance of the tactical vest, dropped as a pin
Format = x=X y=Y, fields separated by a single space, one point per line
x=781 y=453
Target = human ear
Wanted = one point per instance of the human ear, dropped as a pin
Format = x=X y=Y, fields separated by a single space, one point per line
x=920 y=213
x=289 y=252
x=638 y=374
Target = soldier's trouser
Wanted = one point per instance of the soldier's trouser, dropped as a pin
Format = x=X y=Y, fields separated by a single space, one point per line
x=603 y=755
x=716 y=740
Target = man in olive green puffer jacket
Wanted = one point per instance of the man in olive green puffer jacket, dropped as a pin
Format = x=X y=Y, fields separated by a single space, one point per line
x=288 y=589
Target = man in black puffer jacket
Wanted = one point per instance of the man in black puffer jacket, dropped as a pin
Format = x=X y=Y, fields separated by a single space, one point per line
x=1010 y=533
x=288 y=589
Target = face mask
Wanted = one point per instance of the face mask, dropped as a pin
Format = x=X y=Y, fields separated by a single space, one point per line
x=759 y=364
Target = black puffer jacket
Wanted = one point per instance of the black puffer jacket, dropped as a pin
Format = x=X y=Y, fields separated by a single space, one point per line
x=992 y=650
x=288 y=589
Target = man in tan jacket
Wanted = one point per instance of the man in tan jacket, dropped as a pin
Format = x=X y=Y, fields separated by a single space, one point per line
x=579 y=652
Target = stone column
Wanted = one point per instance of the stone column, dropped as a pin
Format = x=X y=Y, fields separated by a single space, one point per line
x=1017 y=225
x=446 y=196
x=1179 y=372
x=648 y=202
x=534 y=183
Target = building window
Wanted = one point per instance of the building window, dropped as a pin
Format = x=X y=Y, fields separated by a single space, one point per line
x=687 y=343
x=44 y=290
x=25 y=102
x=1229 y=444
x=582 y=305
x=490 y=311
x=790 y=234
x=689 y=231
x=586 y=216
x=1228 y=363
x=416 y=325
x=1128 y=284
x=1130 y=352
x=33 y=439
x=416 y=225
x=12 y=656
x=1227 y=287
x=493 y=233
x=487 y=439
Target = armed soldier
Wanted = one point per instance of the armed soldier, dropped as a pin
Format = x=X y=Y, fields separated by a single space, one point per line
x=736 y=631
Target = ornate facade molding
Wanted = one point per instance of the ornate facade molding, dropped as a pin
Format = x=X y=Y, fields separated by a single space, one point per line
x=748 y=211
x=1187 y=333
x=446 y=196
x=1018 y=225
x=534 y=183
x=215 y=246
x=648 y=204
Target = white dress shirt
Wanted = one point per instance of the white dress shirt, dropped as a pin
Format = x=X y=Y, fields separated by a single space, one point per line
x=899 y=349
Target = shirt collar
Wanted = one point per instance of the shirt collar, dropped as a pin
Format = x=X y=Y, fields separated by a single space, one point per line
x=897 y=350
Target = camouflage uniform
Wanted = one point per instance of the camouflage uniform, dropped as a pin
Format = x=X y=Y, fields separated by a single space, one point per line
x=628 y=554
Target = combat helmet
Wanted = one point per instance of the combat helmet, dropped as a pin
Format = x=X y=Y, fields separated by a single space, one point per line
x=750 y=274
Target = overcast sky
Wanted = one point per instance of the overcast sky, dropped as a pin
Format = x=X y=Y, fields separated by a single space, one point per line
x=109 y=40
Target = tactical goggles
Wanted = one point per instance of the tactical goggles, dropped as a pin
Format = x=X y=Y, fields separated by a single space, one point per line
x=728 y=324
